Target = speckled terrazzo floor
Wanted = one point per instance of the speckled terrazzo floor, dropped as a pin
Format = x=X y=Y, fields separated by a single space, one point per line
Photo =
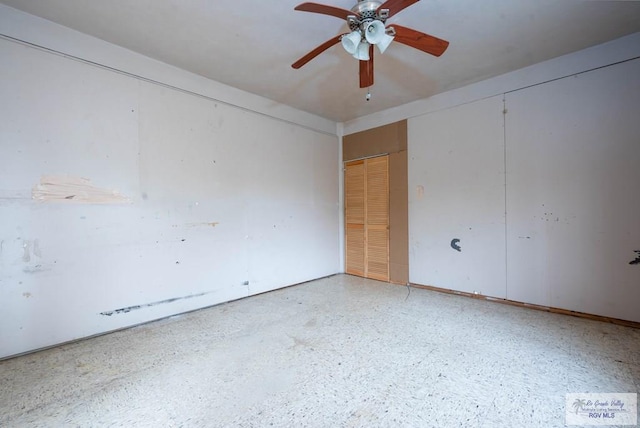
x=337 y=352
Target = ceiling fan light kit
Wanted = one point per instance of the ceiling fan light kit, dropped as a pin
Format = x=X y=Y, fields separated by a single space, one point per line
x=362 y=53
x=366 y=20
x=351 y=41
x=376 y=34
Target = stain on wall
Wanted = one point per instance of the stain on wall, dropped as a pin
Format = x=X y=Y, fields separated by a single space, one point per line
x=455 y=246
x=67 y=189
x=637 y=260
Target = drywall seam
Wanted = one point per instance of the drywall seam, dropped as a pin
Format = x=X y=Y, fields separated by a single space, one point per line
x=41 y=32
x=506 y=212
x=395 y=114
x=156 y=82
x=624 y=49
x=571 y=74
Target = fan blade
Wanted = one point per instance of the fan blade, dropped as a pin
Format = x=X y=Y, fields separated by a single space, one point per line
x=416 y=39
x=366 y=70
x=317 y=51
x=395 y=6
x=325 y=10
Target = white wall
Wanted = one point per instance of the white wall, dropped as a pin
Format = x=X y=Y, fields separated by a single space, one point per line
x=573 y=202
x=571 y=153
x=456 y=191
x=212 y=196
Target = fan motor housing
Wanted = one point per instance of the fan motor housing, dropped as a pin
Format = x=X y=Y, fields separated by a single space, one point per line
x=365 y=11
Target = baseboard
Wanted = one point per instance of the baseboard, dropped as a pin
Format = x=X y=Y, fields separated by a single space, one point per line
x=594 y=317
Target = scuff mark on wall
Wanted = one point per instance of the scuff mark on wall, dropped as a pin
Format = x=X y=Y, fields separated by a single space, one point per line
x=35 y=269
x=148 y=305
x=637 y=260
x=210 y=224
x=53 y=188
x=455 y=246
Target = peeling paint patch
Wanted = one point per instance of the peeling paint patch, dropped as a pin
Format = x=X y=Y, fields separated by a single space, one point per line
x=148 y=305
x=67 y=189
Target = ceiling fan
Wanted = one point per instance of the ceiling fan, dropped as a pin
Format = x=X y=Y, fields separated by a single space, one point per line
x=366 y=21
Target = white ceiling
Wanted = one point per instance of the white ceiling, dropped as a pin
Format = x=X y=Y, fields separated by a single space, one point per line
x=250 y=44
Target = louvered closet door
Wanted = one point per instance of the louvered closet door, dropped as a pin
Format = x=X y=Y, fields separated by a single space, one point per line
x=377 y=218
x=367 y=218
x=354 y=217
